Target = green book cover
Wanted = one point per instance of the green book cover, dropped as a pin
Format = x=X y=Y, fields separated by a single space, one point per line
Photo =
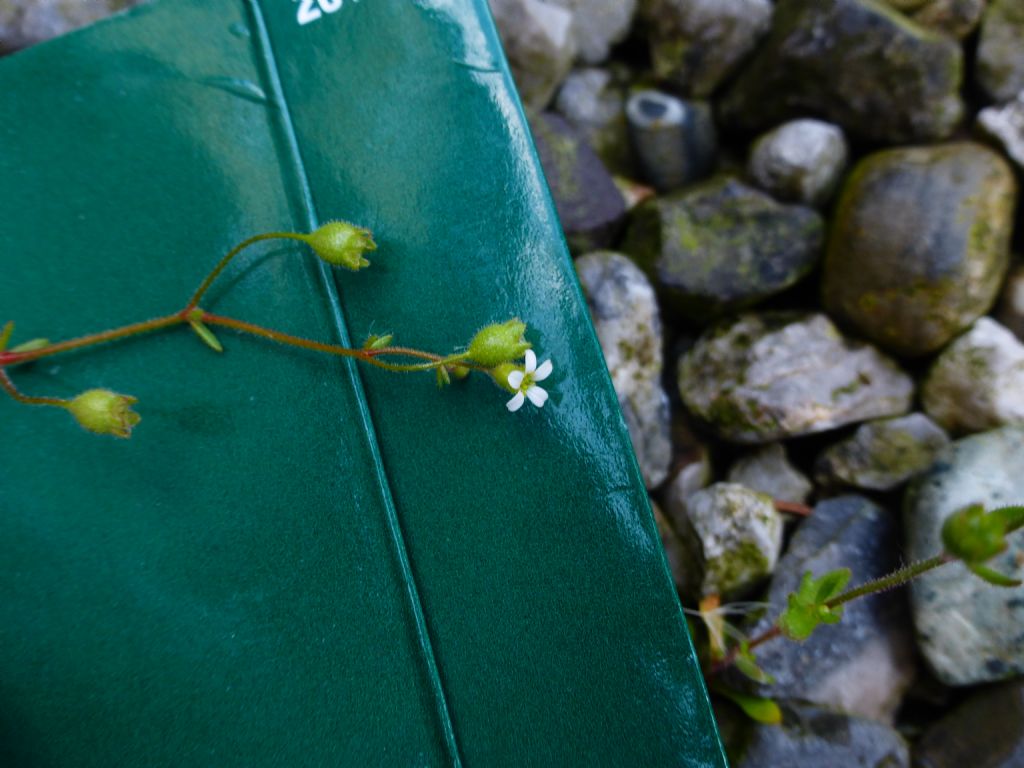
x=295 y=560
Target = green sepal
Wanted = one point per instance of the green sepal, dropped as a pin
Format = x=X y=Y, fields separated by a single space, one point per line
x=974 y=535
x=31 y=345
x=993 y=577
x=373 y=341
x=1012 y=517
x=747 y=666
x=806 y=608
x=206 y=335
x=443 y=378
x=758 y=709
x=5 y=335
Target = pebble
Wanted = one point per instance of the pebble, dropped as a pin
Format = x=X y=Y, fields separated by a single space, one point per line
x=594 y=103
x=590 y=206
x=999 y=68
x=969 y=631
x=977 y=383
x=800 y=161
x=919 y=244
x=625 y=315
x=26 y=22
x=881 y=455
x=956 y=18
x=1004 y=126
x=673 y=141
x=817 y=737
x=767 y=470
x=985 y=731
x=689 y=475
x=598 y=25
x=722 y=245
x=696 y=44
x=732 y=536
x=540 y=45
x=764 y=377
x=1010 y=310
x=898 y=83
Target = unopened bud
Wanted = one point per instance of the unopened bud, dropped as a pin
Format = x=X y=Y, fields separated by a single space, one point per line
x=499 y=343
x=105 y=412
x=342 y=244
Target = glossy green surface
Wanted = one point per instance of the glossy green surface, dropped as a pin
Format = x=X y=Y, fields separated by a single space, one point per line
x=294 y=561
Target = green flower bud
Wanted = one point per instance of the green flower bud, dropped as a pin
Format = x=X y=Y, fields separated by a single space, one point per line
x=105 y=412
x=342 y=244
x=500 y=375
x=973 y=535
x=499 y=343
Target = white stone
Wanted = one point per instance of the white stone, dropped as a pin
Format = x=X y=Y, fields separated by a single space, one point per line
x=801 y=161
x=1005 y=124
x=599 y=25
x=767 y=470
x=540 y=44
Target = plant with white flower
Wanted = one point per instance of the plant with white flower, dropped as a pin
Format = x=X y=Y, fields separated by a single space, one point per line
x=524 y=382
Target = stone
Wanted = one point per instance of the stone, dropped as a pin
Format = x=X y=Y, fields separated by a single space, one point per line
x=691 y=473
x=26 y=22
x=764 y=377
x=800 y=161
x=882 y=455
x=598 y=25
x=767 y=470
x=956 y=18
x=696 y=44
x=625 y=314
x=811 y=736
x=1004 y=126
x=856 y=63
x=1010 y=310
x=590 y=205
x=673 y=141
x=985 y=731
x=999 y=68
x=968 y=630
x=722 y=245
x=919 y=244
x=540 y=44
x=594 y=103
x=732 y=536
x=863 y=664
x=977 y=383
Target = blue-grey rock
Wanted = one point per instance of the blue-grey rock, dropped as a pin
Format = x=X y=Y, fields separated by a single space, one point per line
x=594 y=103
x=881 y=455
x=863 y=665
x=919 y=244
x=767 y=470
x=696 y=44
x=25 y=22
x=985 y=731
x=764 y=377
x=811 y=736
x=590 y=206
x=969 y=631
x=721 y=245
x=800 y=161
x=999 y=68
x=598 y=25
x=1004 y=127
x=625 y=314
x=856 y=63
x=673 y=141
x=977 y=382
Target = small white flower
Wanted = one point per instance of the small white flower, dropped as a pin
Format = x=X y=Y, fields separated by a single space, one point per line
x=525 y=383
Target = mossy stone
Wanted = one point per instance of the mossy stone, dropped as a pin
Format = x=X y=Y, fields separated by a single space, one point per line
x=919 y=244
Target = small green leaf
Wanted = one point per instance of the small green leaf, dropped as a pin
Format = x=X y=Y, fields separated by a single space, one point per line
x=993 y=577
x=1013 y=517
x=761 y=710
x=974 y=535
x=373 y=341
x=805 y=609
x=31 y=345
x=748 y=667
x=443 y=379
x=832 y=584
x=5 y=335
x=206 y=335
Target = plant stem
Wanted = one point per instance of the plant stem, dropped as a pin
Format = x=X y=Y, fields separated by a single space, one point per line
x=223 y=263
x=8 y=386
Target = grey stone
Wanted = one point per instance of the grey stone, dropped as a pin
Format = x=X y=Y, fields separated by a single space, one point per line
x=863 y=665
x=969 y=631
x=762 y=377
x=985 y=731
x=810 y=736
x=594 y=103
x=919 y=244
x=721 y=245
x=857 y=63
x=732 y=536
x=625 y=314
x=801 y=161
x=690 y=474
x=590 y=205
x=1005 y=127
x=977 y=382
x=673 y=141
x=1000 y=59
x=883 y=454
x=25 y=22
x=767 y=470
x=956 y=18
x=1010 y=310
x=598 y=24
x=540 y=44
x=696 y=44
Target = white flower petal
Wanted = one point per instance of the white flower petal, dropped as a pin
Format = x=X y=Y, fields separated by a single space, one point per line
x=515 y=379
x=516 y=402
x=531 y=361
x=537 y=396
x=543 y=371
